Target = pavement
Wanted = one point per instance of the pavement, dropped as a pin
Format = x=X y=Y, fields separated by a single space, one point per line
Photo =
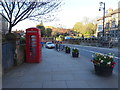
x=58 y=70
x=0 y=63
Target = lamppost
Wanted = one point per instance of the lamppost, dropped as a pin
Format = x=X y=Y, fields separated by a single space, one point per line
x=103 y=3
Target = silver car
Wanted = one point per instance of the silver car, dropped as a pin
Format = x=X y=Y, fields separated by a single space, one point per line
x=50 y=45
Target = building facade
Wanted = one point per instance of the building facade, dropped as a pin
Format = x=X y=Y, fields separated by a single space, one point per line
x=111 y=26
x=3 y=25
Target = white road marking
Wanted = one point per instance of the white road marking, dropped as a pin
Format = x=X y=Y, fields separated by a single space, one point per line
x=97 y=52
x=116 y=49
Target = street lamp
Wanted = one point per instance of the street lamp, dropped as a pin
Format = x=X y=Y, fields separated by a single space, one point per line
x=103 y=3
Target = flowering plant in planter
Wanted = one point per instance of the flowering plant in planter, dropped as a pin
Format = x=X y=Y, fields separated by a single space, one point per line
x=103 y=60
x=103 y=64
x=67 y=49
x=75 y=52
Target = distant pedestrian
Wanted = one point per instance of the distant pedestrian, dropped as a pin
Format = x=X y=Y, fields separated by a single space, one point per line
x=42 y=44
x=56 y=46
x=59 y=47
x=63 y=46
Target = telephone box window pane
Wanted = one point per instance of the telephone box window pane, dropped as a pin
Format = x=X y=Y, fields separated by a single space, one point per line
x=33 y=39
x=32 y=31
x=33 y=36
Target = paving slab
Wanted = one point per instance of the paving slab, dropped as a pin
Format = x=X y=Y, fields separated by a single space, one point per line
x=54 y=84
x=32 y=85
x=77 y=84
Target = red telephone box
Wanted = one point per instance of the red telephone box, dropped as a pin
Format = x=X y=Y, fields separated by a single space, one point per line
x=33 y=46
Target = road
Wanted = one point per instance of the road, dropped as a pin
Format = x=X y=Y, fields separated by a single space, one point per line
x=88 y=51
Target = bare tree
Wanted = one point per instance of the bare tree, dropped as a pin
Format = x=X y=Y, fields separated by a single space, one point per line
x=15 y=11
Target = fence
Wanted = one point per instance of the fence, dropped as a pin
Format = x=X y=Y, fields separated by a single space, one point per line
x=8 y=51
x=87 y=41
x=92 y=42
x=47 y=39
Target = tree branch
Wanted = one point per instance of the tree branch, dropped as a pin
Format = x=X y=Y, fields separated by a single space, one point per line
x=7 y=6
x=4 y=17
x=5 y=10
x=23 y=13
x=19 y=8
x=17 y=11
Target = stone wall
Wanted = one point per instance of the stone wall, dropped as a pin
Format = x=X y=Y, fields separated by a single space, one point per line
x=20 y=54
x=13 y=54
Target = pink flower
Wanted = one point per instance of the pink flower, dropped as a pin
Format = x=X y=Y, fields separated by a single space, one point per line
x=114 y=62
x=112 y=66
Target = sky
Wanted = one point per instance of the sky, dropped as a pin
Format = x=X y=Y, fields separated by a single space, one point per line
x=71 y=12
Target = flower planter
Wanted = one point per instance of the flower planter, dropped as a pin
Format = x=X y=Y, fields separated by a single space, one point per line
x=103 y=70
x=103 y=63
x=67 y=51
x=75 y=54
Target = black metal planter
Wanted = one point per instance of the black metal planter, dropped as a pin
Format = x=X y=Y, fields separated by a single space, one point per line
x=67 y=51
x=75 y=54
x=103 y=70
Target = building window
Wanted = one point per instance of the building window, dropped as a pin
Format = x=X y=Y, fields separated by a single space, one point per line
x=119 y=24
x=100 y=27
x=114 y=15
x=113 y=24
x=107 y=26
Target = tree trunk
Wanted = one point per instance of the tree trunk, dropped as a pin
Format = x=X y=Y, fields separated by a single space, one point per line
x=10 y=28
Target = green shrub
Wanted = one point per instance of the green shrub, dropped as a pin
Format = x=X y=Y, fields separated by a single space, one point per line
x=75 y=50
x=23 y=49
x=67 y=48
x=22 y=40
x=10 y=37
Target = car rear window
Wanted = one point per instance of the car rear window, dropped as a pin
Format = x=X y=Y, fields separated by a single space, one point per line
x=49 y=43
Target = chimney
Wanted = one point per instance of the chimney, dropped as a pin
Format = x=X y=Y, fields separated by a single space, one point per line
x=110 y=10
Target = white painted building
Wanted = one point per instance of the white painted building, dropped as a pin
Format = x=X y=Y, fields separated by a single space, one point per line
x=110 y=25
x=3 y=25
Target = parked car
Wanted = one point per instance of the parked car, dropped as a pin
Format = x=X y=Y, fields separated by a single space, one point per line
x=50 y=45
